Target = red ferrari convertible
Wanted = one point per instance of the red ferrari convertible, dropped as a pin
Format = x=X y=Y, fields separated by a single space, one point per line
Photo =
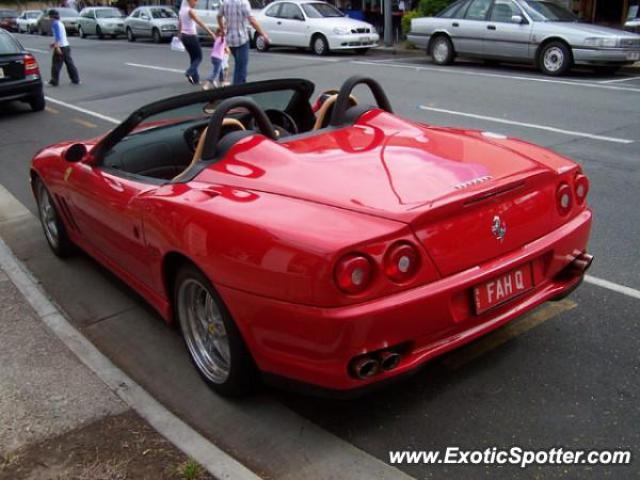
x=330 y=244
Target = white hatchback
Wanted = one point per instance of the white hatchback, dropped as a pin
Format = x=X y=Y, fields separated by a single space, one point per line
x=313 y=24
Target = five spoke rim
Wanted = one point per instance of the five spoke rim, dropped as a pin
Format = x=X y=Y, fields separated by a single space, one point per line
x=48 y=215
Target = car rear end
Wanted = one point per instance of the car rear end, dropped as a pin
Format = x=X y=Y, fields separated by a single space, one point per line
x=9 y=20
x=20 y=77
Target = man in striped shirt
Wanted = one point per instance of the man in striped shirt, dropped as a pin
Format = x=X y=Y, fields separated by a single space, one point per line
x=237 y=15
x=61 y=52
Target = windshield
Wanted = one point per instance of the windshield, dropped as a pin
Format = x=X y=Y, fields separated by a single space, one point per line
x=162 y=13
x=108 y=13
x=320 y=10
x=67 y=12
x=542 y=11
x=633 y=12
x=8 y=45
x=33 y=14
x=8 y=13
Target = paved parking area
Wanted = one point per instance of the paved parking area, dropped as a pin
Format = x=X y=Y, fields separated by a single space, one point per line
x=563 y=376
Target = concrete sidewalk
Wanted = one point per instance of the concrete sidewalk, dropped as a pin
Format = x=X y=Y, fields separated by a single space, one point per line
x=59 y=420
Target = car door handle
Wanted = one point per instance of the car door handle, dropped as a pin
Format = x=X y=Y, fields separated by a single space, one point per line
x=491 y=27
x=279 y=23
x=455 y=24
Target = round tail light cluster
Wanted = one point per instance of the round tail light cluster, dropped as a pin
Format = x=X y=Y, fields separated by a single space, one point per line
x=581 y=187
x=564 y=198
x=401 y=262
x=354 y=273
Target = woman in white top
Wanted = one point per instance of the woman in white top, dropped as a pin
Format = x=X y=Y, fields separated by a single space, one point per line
x=187 y=20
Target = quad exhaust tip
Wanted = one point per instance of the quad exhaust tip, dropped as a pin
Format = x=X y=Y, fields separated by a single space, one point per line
x=389 y=360
x=582 y=263
x=369 y=365
x=365 y=367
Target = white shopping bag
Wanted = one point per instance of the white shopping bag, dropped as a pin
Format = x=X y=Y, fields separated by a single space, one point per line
x=177 y=45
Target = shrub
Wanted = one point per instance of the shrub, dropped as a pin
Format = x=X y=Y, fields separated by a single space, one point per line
x=406 y=20
x=428 y=8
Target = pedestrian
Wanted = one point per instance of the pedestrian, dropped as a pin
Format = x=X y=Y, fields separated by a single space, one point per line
x=217 y=57
x=61 y=52
x=224 y=73
x=187 y=20
x=236 y=14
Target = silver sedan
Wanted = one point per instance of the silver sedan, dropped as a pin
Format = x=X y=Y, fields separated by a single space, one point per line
x=533 y=31
x=157 y=23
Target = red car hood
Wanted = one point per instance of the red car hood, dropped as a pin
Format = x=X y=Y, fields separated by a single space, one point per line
x=383 y=166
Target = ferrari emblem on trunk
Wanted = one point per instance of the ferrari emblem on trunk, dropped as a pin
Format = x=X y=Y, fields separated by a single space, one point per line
x=498 y=228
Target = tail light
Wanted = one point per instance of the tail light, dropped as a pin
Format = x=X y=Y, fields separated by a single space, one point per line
x=564 y=199
x=31 y=65
x=353 y=273
x=401 y=262
x=581 y=187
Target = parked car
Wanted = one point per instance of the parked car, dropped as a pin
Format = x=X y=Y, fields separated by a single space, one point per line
x=8 y=20
x=540 y=32
x=19 y=73
x=207 y=10
x=68 y=16
x=313 y=24
x=101 y=21
x=338 y=248
x=158 y=23
x=633 y=19
x=28 y=21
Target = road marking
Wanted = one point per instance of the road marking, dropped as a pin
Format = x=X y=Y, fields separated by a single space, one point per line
x=620 y=80
x=37 y=50
x=154 y=67
x=84 y=123
x=302 y=57
x=84 y=110
x=454 y=71
x=52 y=110
x=217 y=462
x=528 y=125
x=465 y=355
x=615 y=287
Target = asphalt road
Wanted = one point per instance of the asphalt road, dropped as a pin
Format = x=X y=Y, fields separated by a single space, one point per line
x=565 y=376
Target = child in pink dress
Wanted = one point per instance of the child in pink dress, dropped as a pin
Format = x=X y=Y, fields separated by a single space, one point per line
x=217 y=57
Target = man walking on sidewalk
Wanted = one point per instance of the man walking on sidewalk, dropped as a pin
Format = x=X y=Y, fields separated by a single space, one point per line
x=237 y=13
x=61 y=52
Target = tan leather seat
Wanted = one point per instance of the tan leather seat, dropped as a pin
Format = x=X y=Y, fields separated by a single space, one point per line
x=197 y=154
x=323 y=115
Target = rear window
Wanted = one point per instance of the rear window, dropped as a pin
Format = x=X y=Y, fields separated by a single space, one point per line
x=8 y=14
x=67 y=12
x=8 y=45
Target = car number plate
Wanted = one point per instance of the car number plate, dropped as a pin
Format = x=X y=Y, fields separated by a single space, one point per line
x=501 y=289
x=1 y=73
x=365 y=39
x=633 y=56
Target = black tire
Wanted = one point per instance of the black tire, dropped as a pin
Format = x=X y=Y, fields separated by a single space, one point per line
x=155 y=35
x=114 y=36
x=81 y=33
x=319 y=44
x=37 y=103
x=261 y=45
x=99 y=32
x=360 y=51
x=42 y=32
x=61 y=245
x=242 y=375
x=130 y=36
x=555 y=59
x=441 y=50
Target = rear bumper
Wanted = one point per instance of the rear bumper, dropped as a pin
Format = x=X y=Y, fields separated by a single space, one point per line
x=605 y=56
x=20 y=89
x=313 y=345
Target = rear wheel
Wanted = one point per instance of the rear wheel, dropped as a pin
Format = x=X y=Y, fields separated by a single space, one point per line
x=442 y=50
x=37 y=103
x=555 y=59
x=155 y=35
x=52 y=225
x=130 y=36
x=81 y=33
x=261 y=44
x=319 y=45
x=211 y=336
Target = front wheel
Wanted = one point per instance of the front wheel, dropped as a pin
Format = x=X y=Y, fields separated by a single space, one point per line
x=155 y=35
x=214 y=342
x=261 y=44
x=52 y=225
x=555 y=59
x=130 y=36
x=319 y=45
x=99 y=32
x=81 y=33
x=442 y=51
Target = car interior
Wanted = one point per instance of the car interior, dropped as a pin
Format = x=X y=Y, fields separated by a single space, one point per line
x=173 y=139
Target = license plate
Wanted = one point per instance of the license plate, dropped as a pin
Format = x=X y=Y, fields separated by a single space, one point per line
x=503 y=288
x=365 y=39
x=1 y=73
x=633 y=56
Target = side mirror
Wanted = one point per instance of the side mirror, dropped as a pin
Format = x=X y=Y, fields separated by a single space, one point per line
x=517 y=19
x=75 y=153
x=299 y=18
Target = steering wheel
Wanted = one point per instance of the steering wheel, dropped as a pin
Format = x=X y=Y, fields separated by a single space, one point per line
x=339 y=116
x=283 y=120
x=214 y=132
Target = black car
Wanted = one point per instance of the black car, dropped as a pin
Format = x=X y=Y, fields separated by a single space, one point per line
x=19 y=73
x=9 y=20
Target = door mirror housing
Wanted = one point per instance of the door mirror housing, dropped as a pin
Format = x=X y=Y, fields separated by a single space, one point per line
x=517 y=19
x=299 y=18
x=75 y=153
